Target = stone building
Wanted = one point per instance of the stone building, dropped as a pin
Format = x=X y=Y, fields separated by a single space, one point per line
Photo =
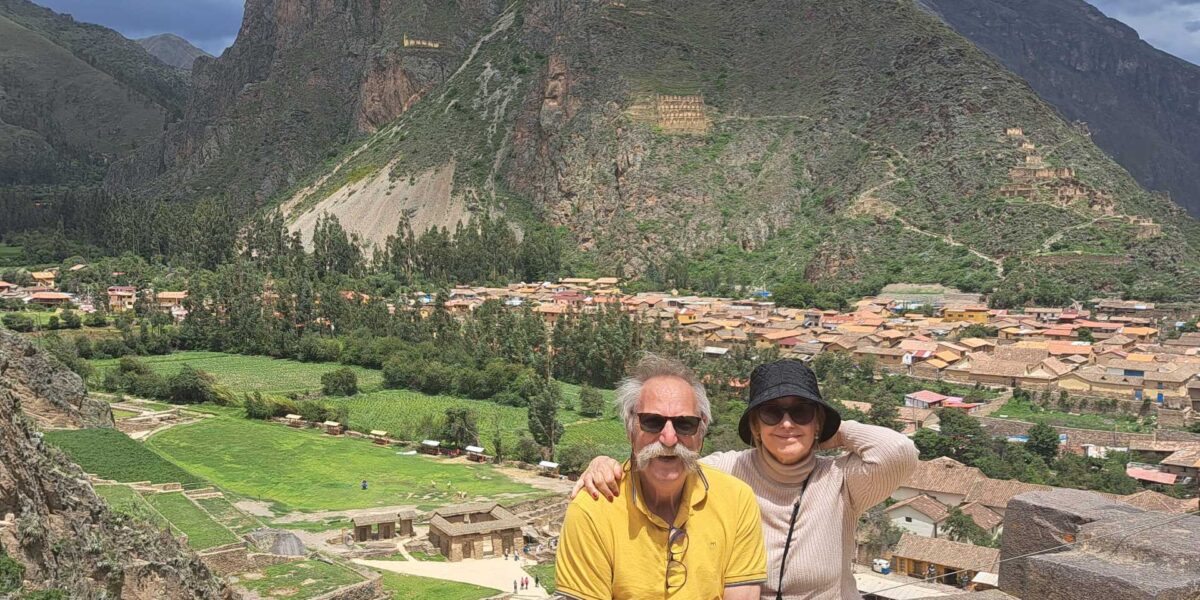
x=475 y=530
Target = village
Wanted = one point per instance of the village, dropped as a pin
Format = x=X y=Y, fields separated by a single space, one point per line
x=1106 y=357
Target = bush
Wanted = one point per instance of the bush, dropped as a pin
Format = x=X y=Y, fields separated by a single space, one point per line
x=528 y=451
x=437 y=378
x=18 y=323
x=342 y=382
x=258 y=407
x=591 y=402
x=191 y=386
x=573 y=459
x=12 y=574
x=401 y=372
x=71 y=319
x=96 y=319
x=314 y=348
x=53 y=323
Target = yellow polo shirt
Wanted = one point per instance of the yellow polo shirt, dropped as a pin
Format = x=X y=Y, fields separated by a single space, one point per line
x=618 y=549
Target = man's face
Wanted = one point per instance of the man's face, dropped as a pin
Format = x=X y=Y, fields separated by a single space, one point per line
x=669 y=397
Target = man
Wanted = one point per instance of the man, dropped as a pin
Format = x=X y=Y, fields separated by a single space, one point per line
x=680 y=530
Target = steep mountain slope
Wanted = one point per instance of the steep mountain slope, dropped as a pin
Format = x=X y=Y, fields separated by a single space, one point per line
x=302 y=77
x=847 y=140
x=61 y=532
x=74 y=96
x=172 y=50
x=1141 y=105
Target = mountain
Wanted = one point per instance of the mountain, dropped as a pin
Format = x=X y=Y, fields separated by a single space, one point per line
x=74 y=97
x=302 y=78
x=62 y=535
x=1141 y=105
x=851 y=142
x=172 y=49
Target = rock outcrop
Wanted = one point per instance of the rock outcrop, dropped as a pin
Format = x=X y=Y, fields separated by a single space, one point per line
x=53 y=396
x=51 y=520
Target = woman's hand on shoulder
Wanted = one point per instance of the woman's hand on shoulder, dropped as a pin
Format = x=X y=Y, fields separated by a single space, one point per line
x=603 y=476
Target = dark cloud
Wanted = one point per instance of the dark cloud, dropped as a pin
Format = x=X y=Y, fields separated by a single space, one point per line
x=210 y=24
x=1172 y=26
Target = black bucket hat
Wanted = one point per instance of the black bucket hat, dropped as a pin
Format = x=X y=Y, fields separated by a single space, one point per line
x=787 y=378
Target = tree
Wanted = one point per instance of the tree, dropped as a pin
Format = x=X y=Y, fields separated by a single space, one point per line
x=528 y=450
x=885 y=413
x=460 y=427
x=12 y=574
x=931 y=444
x=342 y=382
x=96 y=319
x=976 y=330
x=1085 y=335
x=257 y=407
x=591 y=401
x=17 y=322
x=574 y=458
x=543 y=417
x=497 y=439
x=1043 y=441
x=191 y=386
x=71 y=320
x=962 y=431
x=960 y=527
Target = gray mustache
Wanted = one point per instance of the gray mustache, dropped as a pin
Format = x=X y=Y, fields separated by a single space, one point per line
x=655 y=450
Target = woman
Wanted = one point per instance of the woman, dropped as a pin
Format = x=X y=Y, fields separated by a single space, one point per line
x=810 y=504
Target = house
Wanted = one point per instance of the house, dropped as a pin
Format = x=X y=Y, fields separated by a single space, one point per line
x=969 y=314
x=43 y=278
x=1152 y=500
x=475 y=454
x=1151 y=476
x=920 y=515
x=384 y=524
x=995 y=493
x=1184 y=462
x=332 y=427
x=943 y=479
x=889 y=358
x=48 y=298
x=550 y=312
x=121 y=298
x=925 y=399
x=170 y=300
x=953 y=563
x=475 y=530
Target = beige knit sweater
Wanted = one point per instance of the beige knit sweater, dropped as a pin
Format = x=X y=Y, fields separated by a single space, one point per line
x=876 y=462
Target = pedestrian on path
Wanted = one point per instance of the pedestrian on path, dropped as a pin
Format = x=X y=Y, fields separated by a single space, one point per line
x=514 y=586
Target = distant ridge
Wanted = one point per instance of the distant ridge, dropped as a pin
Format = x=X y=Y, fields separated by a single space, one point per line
x=172 y=49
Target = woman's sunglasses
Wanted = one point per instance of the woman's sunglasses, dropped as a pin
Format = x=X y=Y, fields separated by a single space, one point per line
x=800 y=414
x=654 y=423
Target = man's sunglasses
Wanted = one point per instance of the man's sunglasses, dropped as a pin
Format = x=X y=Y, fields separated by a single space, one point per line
x=800 y=414
x=654 y=423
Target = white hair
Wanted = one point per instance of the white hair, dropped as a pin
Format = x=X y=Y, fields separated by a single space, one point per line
x=629 y=392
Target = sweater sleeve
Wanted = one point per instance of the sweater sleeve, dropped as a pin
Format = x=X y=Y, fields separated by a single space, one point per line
x=722 y=461
x=878 y=461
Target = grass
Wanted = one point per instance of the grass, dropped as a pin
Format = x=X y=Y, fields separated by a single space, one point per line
x=1026 y=411
x=11 y=256
x=428 y=557
x=119 y=414
x=545 y=574
x=242 y=373
x=308 y=471
x=315 y=526
x=397 y=557
x=607 y=435
x=151 y=405
x=123 y=499
x=110 y=454
x=413 y=587
x=299 y=580
x=202 y=531
x=228 y=515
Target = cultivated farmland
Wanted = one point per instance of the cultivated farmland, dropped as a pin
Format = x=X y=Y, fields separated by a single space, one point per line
x=123 y=499
x=240 y=373
x=110 y=454
x=202 y=531
x=308 y=471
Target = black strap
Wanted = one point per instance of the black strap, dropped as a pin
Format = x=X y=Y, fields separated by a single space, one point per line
x=788 y=544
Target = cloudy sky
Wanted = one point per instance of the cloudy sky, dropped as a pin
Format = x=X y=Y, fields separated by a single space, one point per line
x=1170 y=25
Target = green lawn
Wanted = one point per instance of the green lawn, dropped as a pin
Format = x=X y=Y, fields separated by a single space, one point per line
x=125 y=500
x=428 y=557
x=315 y=526
x=299 y=580
x=202 y=531
x=306 y=470
x=412 y=587
x=119 y=414
x=1027 y=411
x=608 y=435
x=228 y=515
x=545 y=574
x=242 y=373
x=110 y=454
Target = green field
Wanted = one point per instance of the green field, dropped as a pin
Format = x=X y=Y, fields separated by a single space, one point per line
x=307 y=471
x=299 y=580
x=110 y=454
x=1028 y=411
x=412 y=587
x=228 y=515
x=202 y=531
x=119 y=414
x=125 y=500
x=240 y=373
x=11 y=256
x=545 y=574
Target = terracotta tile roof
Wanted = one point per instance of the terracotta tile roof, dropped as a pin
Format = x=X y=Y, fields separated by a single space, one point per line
x=944 y=552
x=1184 y=457
x=995 y=493
x=982 y=515
x=936 y=511
x=943 y=475
x=1152 y=500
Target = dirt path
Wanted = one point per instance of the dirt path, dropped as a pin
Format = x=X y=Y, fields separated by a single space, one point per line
x=498 y=573
x=999 y=264
x=349 y=514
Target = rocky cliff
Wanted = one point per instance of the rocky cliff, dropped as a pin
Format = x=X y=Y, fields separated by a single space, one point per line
x=1141 y=105
x=172 y=50
x=302 y=78
x=75 y=97
x=53 y=524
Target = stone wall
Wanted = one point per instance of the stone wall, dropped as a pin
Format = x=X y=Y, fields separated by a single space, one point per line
x=1070 y=544
x=367 y=590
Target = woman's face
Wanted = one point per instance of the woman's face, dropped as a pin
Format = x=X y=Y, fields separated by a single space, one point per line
x=788 y=442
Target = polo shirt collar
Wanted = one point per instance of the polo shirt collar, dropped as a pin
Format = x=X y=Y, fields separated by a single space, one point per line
x=695 y=491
